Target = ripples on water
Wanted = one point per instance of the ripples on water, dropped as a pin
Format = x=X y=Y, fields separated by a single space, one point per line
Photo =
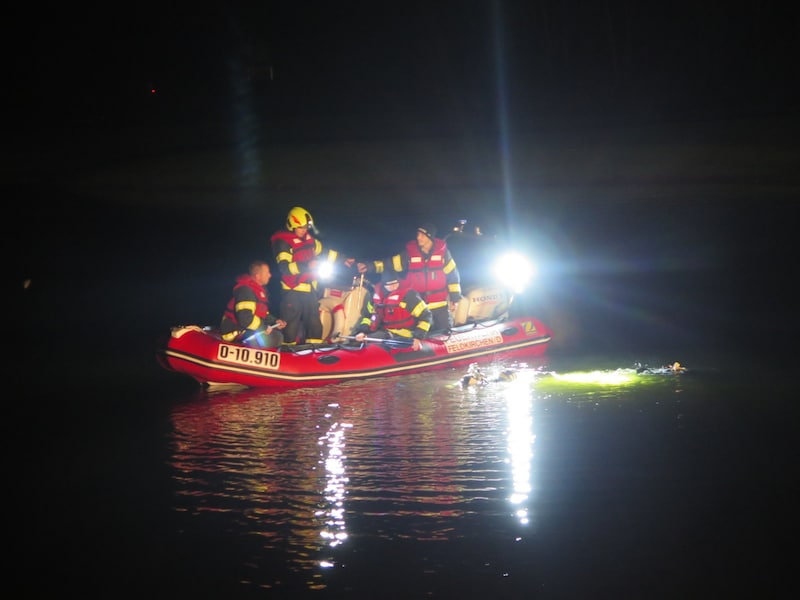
x=312 y=486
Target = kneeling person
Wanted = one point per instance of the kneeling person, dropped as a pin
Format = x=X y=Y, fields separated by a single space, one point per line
x=394 y=311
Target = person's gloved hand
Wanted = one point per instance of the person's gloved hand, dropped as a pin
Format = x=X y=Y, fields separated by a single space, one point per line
x=364 y=329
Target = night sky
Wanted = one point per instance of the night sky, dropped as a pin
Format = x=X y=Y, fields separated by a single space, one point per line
x=93 y=89
x=418 y=68
x=161 y=78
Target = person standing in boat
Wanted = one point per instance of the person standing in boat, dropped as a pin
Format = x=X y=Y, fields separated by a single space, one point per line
x=298 y=254
x=395 y=311
x=247 y=318
x=430 y=270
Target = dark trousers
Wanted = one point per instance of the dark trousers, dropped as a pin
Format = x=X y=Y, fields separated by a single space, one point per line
x=300 y=310
x=441 y=319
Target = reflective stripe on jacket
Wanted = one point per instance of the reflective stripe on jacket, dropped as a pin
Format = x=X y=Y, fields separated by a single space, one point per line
x=293 y=255
x=402 y=312
x=248 y=308
x=426 y=274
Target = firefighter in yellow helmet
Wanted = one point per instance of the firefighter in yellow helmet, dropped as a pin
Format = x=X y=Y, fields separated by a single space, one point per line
x=298 y=254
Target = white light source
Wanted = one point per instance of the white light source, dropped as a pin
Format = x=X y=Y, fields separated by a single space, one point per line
x=325 y=270
x=514 y=270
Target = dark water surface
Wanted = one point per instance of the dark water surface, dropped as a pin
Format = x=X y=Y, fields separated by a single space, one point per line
x=124 y=478
x=659 y=487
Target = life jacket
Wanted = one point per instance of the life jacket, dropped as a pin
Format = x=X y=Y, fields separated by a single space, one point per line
x=300 y=250
x=391 y=310
x=426 y=274
x=259 y=313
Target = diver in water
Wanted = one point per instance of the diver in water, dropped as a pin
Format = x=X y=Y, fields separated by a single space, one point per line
x=675 y=367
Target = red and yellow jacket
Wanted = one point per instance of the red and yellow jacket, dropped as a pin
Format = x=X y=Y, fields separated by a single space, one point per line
x=434 y=275
x=293 y=256
x=402 y=312
x=247 y=310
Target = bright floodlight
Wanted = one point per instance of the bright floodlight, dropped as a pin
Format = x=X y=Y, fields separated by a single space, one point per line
x=515 y=271
x=325 y=270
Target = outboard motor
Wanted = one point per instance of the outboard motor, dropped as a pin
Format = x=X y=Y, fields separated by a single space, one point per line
x=482 y=303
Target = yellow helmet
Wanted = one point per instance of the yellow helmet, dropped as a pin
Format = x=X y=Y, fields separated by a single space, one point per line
x=299 y=217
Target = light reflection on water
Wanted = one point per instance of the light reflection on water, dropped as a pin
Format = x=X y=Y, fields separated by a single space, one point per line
x=315 y=473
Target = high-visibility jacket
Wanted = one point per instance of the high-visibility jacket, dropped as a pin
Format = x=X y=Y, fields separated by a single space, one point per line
x=402 y=312
x=435 y=275
x=426 y=273
x=293 y=255
x=247 y=310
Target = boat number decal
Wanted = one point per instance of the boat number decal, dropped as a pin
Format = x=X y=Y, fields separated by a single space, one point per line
x=252 y=357
x=471 y=340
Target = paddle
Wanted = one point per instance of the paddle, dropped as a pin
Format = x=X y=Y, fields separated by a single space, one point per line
x=391 y=342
